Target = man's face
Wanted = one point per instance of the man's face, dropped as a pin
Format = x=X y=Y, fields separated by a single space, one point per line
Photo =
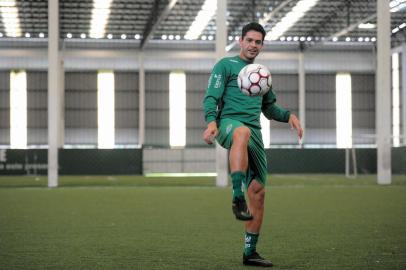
x=251 y=45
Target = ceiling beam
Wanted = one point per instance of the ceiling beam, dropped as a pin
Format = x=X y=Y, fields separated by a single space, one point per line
x=328 y=20
x=351 y=27
x=272 y=14
x=154 y=22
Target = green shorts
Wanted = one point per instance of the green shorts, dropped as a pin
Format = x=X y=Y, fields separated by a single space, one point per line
x=257 y=165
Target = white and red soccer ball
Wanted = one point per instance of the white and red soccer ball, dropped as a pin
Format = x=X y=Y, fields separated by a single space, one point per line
x=254 y=80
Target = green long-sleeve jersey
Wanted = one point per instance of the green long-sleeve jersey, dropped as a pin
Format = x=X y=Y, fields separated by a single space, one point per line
x=224 y=98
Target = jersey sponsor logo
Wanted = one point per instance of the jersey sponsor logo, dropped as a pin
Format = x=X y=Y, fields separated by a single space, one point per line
x=217 y=77
x=232 y=60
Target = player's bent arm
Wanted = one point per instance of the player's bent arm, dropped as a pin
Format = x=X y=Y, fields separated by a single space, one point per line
x=273 y=111
x=277 y=113
x=214 y=92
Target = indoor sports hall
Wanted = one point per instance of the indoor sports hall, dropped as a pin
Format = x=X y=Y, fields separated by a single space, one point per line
x=103 y=162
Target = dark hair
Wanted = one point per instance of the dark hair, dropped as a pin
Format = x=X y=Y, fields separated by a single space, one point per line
x=255 y=27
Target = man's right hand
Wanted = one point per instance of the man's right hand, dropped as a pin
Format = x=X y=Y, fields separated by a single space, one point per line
x=210 y=133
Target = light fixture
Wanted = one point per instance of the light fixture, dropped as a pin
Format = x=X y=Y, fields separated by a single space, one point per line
x=100 y=15
x=10 y=18
x=309 y=38
x=170 y=37
x=123 y=36
x=83 y=35
x=137 y=36
x=203 y=37
x=109 y=36
x=335 y=39
x=41 y=35
x=210 y=37
x=204 y=16
x=347 y=39
x=230 y=38
x=177 y=37
x=290 y=19
x=164 y=37
x=69 y=35
x=360 y=39
x=397 y=29
x=366 y=26
x=1 y=34
x=27 y=35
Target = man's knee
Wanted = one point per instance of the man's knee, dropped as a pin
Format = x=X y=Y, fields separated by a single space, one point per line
x=261 y=196
x=241 y=134
x=257 y=192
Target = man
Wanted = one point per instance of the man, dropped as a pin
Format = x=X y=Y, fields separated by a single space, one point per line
x=233 y=120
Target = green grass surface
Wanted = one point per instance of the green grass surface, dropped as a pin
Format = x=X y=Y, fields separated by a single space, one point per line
x=311 y=222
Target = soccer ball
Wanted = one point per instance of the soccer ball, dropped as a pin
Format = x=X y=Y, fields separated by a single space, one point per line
x=254 y=80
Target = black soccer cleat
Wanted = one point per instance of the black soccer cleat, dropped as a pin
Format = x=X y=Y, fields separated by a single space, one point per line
x=256 y=260
x=240 y=209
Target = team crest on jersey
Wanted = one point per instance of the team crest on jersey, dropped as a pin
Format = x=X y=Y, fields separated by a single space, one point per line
x=229 y=127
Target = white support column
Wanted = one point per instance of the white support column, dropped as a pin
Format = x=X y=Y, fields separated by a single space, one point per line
x=61 y=95
x=302 y=92
x=383 y=94
x=221 y=42
x=403 y=92
x=141 y=101
x=54 y=109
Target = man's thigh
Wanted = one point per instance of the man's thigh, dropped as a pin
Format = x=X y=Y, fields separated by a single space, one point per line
x=257 y=163
x=226 y=130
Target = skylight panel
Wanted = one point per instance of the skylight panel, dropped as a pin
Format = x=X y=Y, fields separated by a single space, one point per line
x=202 y=19
x=10 y=18
x=397 y=5
x=100 y=16
x=290 y=19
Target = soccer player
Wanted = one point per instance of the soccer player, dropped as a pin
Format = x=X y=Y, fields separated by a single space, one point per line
x=233 y=119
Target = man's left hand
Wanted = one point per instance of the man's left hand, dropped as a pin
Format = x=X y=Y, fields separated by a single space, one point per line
x=295 y=124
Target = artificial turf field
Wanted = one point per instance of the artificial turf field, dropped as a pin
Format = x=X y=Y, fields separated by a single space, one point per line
x=132 y=222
